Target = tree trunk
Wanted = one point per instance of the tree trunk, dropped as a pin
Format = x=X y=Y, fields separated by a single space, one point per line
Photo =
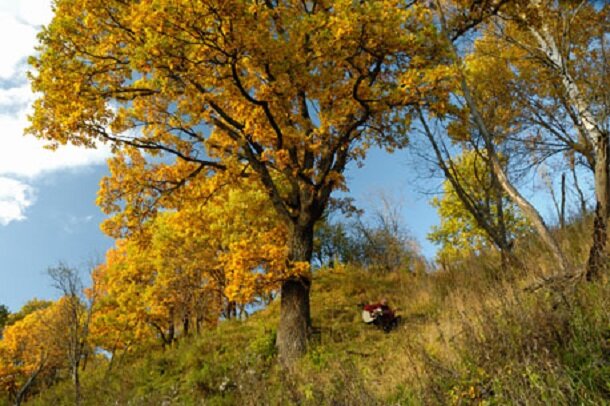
x=533 y=216
x=504 y=245
x=597 y=255
x=76 y=381
x=581 y=195
x=514 y=195
x=529 y=211
x=198 y=323
x=186 y=325
x=26 y=386
x=171 y=333
x=587 y=125
x=295 y=319
x=562 y=217
x=496 y=232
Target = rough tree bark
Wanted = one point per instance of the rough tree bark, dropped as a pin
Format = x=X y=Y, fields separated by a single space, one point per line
x=295 y=317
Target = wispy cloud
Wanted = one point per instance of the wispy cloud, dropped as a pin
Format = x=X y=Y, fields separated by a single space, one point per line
x=15 y=198
x=23 y=158
x=72 y=224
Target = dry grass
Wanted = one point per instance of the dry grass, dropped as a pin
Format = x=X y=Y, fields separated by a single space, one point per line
x=471 y=335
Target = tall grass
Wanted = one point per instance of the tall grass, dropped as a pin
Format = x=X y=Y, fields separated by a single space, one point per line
x=472 y=334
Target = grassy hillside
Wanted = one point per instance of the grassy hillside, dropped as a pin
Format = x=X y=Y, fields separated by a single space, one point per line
x=473 y=334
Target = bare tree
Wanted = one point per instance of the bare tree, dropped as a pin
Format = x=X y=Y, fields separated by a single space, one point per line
x=78 y=310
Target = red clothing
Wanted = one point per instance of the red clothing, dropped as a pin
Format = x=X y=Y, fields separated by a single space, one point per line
x=381 y=316
x=379 y=308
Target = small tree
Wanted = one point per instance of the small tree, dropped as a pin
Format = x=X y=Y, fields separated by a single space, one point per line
x=77 y=310
x=187 y=267
x=460 y=232
x=4 y=313
x=32 y=349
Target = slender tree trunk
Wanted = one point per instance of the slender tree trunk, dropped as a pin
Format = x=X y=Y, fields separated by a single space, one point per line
x=526 y=207
x=562 y=219
x=497 y=233
x=243 y=313
x=76 y=381
x=198 y=323
x=295 y=318
x=581 y=195
x=230 y=310
x=554 y=198
x=28 y=384
x=111 y=362
x=171 y=333
x=186 y=325
x=532 y=215
x=589 y=127
x=597 y=262
x=505 y=246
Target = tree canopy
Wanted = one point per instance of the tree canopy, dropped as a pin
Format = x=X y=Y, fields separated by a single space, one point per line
x=288 y=91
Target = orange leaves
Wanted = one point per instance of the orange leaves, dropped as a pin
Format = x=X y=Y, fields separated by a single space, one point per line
x=232 y=122
x=169 y=77
x=221 y=241
x=36 y=342
x=255 y=264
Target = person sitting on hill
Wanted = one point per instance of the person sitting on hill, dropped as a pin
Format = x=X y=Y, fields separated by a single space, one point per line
x=380 y=315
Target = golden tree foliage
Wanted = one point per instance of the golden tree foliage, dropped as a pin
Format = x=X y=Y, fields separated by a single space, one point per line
x=186 y=266
x=459 y=234
x=30 y=306
x=292 y=90
x=551 y=59
x=33 y=347
x=508 y=61
x=495 y=104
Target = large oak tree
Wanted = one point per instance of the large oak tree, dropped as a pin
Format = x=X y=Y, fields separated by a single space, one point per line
x=289 y=91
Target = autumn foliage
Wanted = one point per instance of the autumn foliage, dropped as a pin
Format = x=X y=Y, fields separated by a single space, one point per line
x=191 y=266
x=232 y=123
x=284 y=92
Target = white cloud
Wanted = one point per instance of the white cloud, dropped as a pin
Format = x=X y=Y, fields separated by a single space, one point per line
x=30 y=12
x=15 y=197
x=18 y=42
x=22 y=158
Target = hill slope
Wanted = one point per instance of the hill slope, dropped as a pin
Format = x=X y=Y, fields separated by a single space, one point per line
x=471 y=335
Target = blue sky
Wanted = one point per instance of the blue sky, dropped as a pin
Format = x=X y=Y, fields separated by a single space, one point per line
x=62 y=222
x=61 y=225
x=47 y=199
